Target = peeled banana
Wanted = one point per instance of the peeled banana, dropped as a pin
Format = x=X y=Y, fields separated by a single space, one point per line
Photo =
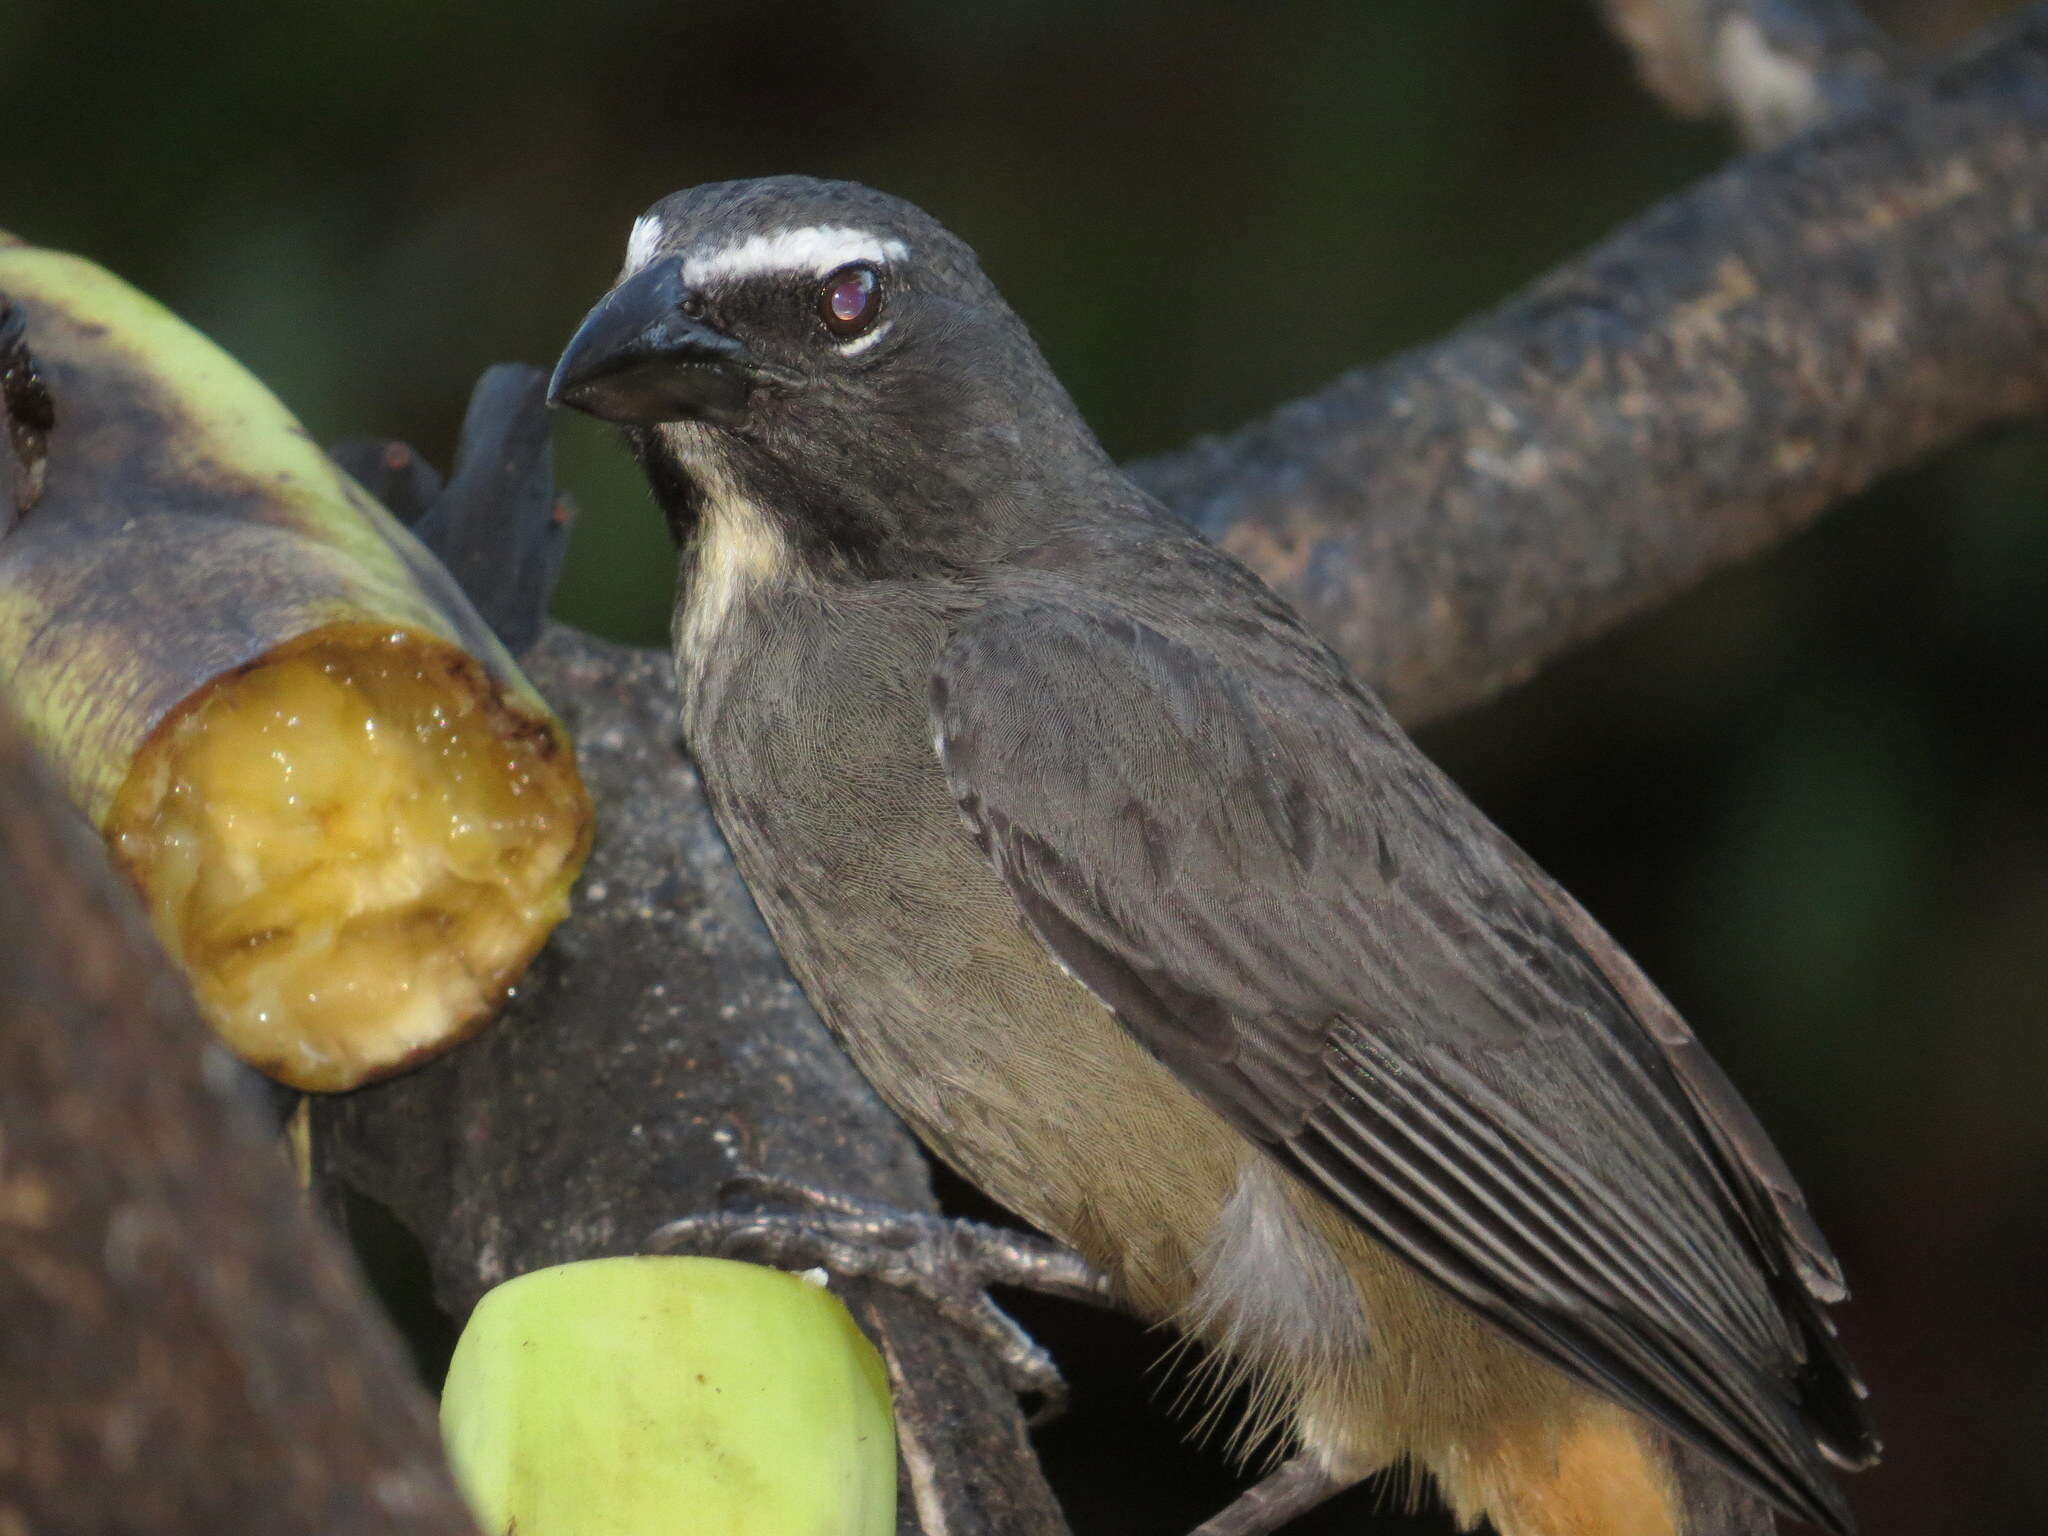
x=351 y=819
x=646 y=1396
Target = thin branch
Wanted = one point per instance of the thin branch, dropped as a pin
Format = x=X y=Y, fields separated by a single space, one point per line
x=1776 y=67
x=1695 y=388
x=182 y=1351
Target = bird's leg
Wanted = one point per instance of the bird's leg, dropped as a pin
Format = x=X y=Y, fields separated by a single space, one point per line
x=1290 y=1490
x=947 y=1261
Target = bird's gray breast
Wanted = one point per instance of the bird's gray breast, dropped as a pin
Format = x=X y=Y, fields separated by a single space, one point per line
x=812 y=726
x=808 y=716
x=810 y=722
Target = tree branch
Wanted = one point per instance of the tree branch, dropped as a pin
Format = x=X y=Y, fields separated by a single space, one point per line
x=183 y=1352
x=1777 y=67
x=1701 y=384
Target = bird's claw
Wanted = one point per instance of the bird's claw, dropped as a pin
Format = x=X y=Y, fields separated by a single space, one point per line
x=948 y=1262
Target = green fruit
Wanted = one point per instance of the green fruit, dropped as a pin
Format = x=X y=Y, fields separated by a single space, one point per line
x=656 y=1396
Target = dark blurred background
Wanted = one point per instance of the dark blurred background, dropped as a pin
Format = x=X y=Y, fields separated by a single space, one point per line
x=1809 y=796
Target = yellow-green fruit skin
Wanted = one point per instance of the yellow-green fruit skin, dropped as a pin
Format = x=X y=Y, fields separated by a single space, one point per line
x=651 y=1396
x=188 y=526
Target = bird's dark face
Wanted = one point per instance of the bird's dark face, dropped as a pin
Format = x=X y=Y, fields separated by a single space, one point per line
x=723 y=321
x=830 y=355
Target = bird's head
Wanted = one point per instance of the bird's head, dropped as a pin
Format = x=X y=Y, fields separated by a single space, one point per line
x=831 y=354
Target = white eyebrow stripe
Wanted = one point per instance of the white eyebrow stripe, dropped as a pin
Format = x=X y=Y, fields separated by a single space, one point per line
x=819 y=248
x=647 y=233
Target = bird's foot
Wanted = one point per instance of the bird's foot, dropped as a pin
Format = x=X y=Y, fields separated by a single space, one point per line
x=947 y=1261
x=1290 y=1490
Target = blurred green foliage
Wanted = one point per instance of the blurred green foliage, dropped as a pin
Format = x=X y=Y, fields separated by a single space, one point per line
x=1809 y=796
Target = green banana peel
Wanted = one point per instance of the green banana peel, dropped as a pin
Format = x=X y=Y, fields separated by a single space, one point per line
x=648 y=1395
x=351 y=817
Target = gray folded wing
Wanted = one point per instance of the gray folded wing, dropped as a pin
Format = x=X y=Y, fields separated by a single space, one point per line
x=1232 y=846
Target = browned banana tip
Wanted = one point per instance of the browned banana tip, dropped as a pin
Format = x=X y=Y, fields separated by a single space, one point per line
x=25 y=400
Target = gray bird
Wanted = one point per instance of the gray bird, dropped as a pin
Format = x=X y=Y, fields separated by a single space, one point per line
x=1143 y=913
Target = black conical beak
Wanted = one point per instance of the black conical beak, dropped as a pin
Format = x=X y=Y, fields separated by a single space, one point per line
x=639 y=359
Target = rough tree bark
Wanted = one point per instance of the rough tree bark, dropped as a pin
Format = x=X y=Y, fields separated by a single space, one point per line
x=1695 y=388
x=1699 y=385
x=182 y=1350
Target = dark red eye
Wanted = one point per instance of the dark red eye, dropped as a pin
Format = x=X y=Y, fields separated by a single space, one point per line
x=850 y=300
